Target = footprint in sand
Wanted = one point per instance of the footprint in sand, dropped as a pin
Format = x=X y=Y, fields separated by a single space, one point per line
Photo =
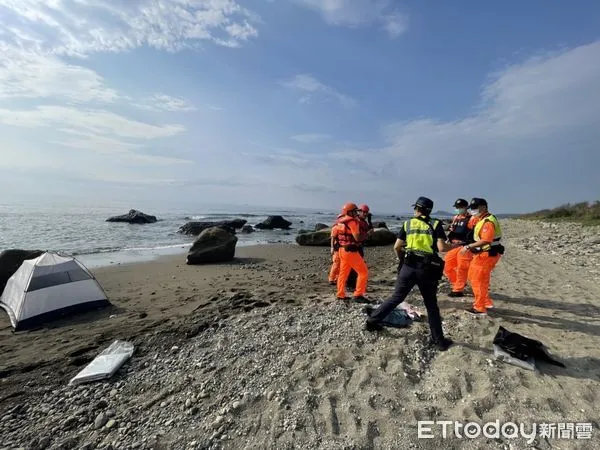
x=454 y=393
x=484 y=405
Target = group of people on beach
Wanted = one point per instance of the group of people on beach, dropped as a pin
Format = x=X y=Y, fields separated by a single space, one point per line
x=472 y=249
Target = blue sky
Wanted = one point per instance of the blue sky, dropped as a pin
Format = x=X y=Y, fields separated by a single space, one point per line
x=300 y=102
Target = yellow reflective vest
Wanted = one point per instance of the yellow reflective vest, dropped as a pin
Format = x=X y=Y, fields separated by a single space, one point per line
x=419 y=236
x=497 y=231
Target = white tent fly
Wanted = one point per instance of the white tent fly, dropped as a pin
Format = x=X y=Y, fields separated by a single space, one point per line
x=48 y=287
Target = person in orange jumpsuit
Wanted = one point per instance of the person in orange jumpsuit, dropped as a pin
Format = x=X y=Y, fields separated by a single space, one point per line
x=487 y=252
x=457 y=264
x=364 y=214
x=366 y=225
x=335 y=256
x=350 y=239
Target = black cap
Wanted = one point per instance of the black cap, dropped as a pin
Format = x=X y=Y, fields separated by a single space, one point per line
x=424 y=202
x=461 y=203
x=477 y=202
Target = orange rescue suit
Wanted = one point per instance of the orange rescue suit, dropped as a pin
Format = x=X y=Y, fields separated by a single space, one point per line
x=480 y=271
x=335 y=265
x=456 y=265
x=347 y=230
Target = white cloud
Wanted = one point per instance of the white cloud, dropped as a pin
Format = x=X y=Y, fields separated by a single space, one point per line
x=117 y=149
x=82 y=27
x=357 y=13
x=395 y=24
x=88 y=120
x=163 y=102
x=310 y=138
x=310 y=86
x=28 y=74
x=98 y=131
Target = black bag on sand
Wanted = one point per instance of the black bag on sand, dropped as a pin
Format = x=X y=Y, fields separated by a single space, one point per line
x=522 y=347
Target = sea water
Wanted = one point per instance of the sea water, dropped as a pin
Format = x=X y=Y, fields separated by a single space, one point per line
x=82 y=231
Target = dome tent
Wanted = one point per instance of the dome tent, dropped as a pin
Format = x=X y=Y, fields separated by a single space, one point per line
x=48 y=287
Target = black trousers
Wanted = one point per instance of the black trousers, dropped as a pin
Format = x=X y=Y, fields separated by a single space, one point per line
x=407 y=278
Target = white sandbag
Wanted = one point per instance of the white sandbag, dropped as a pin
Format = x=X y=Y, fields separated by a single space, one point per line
x=503 y=356
x=106 y=364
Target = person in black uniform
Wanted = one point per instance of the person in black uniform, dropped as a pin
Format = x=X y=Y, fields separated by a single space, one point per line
x=417 y=246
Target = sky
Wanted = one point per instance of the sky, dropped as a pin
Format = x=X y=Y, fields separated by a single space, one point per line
x=300 y=103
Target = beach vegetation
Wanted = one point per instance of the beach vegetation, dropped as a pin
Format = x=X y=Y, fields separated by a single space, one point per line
x=587 y=213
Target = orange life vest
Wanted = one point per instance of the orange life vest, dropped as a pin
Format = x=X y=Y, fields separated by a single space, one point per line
x=344 y=235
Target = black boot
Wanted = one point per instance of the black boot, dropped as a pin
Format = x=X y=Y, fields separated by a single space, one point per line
x=442 y=344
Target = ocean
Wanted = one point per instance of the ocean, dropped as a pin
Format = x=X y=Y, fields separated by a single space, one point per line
x=83 y=231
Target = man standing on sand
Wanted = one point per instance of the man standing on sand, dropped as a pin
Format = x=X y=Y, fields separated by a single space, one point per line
x=487 y=249
x=350 y=239
x=421 y=238
x=366 y=225
x=456 y=264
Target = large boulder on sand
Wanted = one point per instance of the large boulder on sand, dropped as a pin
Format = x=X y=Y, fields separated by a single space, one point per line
x=11 y=260
x=133 y=216
x=274 y=222
x=213 y=245
x=195 y=228
x=380 y=237
x=321 y=238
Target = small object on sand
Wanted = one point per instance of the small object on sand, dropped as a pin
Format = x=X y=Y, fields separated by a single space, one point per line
x=106 y=364
x=398 y=318
x=411 y=311
x=501 y=355
x=522 y=347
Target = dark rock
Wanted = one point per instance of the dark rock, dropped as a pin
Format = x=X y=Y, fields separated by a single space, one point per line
x=133 y=216
x=247 y=229
x=380 y=237
x=213 y=245
x=11 y=260
x=274 y=222
x=379 y=225
x=321 y=226
x=321 y=238
x=195 y=228
x=69 y=422
x=101 y=404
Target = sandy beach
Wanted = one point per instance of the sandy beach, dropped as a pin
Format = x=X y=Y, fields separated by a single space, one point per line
x=258 y=354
